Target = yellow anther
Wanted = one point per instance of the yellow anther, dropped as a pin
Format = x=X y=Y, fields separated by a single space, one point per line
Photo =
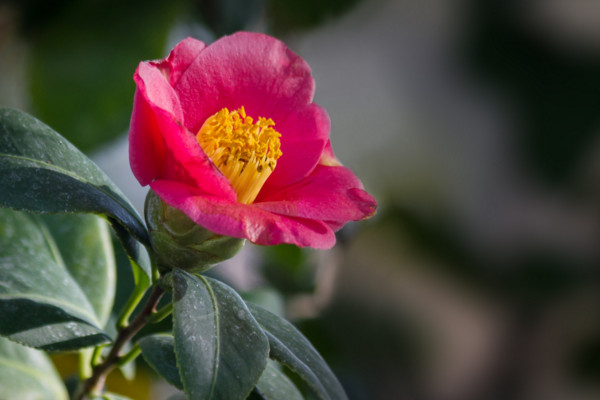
x=246 y=152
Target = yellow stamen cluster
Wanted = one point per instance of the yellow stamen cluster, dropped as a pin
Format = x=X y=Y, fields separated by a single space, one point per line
x=245 y=151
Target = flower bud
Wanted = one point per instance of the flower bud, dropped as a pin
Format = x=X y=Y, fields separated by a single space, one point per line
x=180 y=242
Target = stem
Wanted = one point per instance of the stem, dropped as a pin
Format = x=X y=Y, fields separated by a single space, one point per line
x=96 y=356
x=133 y=301
x=94 y=385
x=130 y=356
x=161 y=314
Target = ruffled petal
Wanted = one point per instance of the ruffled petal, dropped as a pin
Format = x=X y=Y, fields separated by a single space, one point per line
x=332 y=194
x=234 y=219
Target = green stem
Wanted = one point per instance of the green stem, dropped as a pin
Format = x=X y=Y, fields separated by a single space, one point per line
x=97 y=355
x=133 y=301
x=85 y=366
x=130 y=356
x=161 y=314
x=154 y=265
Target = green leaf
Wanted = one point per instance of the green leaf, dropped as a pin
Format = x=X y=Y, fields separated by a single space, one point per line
x=41 y=303
x=85 y=247
x=41 y=171
x=159 y=353
x=28 y=374
x=293 y=350
x=275 y=385
x=220 y=349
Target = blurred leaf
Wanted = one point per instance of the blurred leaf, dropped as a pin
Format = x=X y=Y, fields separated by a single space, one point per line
x=225 y=17
x=291 y=15
x=286 y=267
x=554 y=87
x=41 y=171
x=159 y=353
x=275 y=385
x=221 y=350
x=267 y=298
x=85 y=247
x=81 y=72
x=292 y=349
x=28 y=374
x=41 y=304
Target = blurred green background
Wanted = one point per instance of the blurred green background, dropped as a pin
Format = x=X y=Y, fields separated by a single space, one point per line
x=475 y=123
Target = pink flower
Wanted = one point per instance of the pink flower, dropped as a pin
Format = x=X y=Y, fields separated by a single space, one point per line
x=228 y=134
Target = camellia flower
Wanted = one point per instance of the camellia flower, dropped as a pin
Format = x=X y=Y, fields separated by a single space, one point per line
x=229 y=135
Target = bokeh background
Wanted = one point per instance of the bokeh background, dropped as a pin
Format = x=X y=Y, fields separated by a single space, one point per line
x=476 y=125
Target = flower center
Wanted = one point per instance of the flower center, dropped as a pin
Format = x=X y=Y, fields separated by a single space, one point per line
x=245 y=151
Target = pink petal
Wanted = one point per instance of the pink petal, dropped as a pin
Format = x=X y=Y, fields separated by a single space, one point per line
x=304 y=135
x=332 y=194
x=180 y=58
x=146 y=148
x=230 y=218
x=160 y=145
x=328 y=158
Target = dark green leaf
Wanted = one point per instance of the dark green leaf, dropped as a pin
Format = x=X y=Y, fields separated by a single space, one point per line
x=221 y=350
x=292 y=349
x=41 y=171
x=159 y=352
x=28 y=374
x=41 y=304
x=275 y=385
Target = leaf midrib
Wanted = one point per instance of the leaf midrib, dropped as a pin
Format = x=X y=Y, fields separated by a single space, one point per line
x=217 y=335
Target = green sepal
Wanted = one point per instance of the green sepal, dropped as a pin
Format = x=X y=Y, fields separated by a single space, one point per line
x=181 y=243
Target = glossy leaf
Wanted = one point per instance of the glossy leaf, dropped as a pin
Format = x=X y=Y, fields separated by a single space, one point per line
x=275 y=385
x=28 y=374
x=85 y=247
x=220 y=349
x=292 y=349
x=41 y=171
x=159 y=353
x=41 y=304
